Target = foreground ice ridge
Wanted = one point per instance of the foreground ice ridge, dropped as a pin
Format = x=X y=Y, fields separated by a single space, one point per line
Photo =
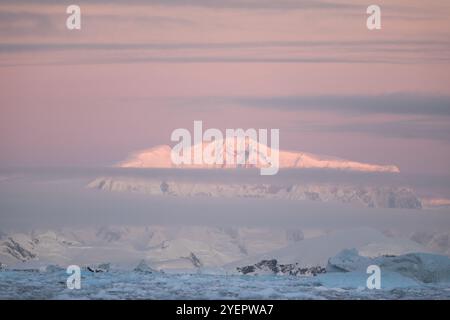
x=423 y=267
x=144 y=268
x=133 y=285
x=369 y=196
x=409 y=276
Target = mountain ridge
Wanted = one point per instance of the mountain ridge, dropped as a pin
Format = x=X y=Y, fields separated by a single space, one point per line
x=160 y=157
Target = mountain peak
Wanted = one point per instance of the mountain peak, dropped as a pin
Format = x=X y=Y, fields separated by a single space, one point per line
x=160 y=157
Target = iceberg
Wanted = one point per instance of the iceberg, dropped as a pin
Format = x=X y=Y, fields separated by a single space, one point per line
x=423 y=267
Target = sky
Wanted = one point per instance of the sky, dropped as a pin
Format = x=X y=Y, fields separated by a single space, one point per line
x=139 y=69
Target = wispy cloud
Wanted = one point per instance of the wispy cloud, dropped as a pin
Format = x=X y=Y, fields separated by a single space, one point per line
x=34 y=22
x=24 y=22
x=169 y=31
x=393 y=103
x=403 y=103
x=296 y=52
x=215 y=4
x=400 y=129
x=352 y=44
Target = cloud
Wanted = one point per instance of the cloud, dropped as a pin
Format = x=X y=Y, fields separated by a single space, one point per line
x=421 y=116
x=393 y=103
x=213 y=4
x=353 y=44
x=206 y=59
x=363 y=52
x=19 y=23
x=403 y=129
x=409 y=115
x=33 y=22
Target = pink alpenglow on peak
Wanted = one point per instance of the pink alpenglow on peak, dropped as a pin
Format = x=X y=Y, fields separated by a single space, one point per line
x=160 y=157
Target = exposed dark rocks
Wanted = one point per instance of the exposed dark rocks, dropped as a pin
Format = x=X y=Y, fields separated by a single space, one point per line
x=104 y=267
x=272 y=267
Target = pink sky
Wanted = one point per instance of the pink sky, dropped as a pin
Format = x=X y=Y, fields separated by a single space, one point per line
x=135 y=72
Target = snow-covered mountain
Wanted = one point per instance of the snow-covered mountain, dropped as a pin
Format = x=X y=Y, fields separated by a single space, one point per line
x=164 y=247
x=199 y=247
x=160 y=157
x=369 y=196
